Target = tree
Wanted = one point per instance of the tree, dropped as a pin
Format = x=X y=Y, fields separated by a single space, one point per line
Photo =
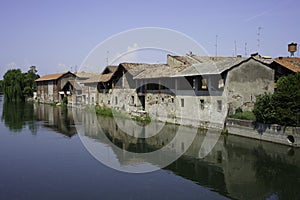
x=13 y=85
x=282 y=107
x=287 y=100
x=18 y=86
x=1 y=90
x=29 y=81
x=264 y=109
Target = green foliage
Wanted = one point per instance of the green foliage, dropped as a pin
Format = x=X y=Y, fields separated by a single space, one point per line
x=65 y=100
x=239 y=110
x=104 y=111
x=287 y=100
x=13 y=85
x=247 y=115
x=1 y=82
x=264 y=109
x=17 y=115
x=17 y=86
x=146 y=119
x=282 y=107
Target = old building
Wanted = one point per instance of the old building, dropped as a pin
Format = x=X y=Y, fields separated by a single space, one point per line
x=54 y=87
x=88 y=83
x=285 y=65
x=190 y=89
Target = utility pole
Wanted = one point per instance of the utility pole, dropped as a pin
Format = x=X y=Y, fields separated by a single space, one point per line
x=258 y=38
x=216 y=45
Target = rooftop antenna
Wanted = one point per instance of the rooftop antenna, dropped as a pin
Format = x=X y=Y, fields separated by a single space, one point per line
x=258 y=38
x=245 y=49
x=216 y=45
x=107 y=53
x=234 y=47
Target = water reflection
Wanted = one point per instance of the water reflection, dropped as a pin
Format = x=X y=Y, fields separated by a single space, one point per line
x=18 y=115
x=59 y=119
x=238 y=168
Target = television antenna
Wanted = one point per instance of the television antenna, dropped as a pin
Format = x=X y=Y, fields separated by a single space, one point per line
x=258 y=38
x=216 y=45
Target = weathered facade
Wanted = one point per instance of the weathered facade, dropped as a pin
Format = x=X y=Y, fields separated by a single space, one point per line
x=191 y=90
x=88 y=83
x=53 y=87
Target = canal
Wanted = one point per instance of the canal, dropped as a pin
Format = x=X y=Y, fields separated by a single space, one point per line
x=43 y=156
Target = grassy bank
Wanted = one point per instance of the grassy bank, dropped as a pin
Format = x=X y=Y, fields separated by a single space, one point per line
x=247 y=115
x=109 y=112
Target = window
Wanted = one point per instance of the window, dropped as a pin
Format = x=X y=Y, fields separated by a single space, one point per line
x=219 y=102
x=204 y=84
x=202 y=104
x=132 y=100
x=116 y=100
x=221 y=83
x=182 y=102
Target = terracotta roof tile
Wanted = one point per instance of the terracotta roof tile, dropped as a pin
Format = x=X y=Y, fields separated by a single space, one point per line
x=290 y=63
x=50 y=77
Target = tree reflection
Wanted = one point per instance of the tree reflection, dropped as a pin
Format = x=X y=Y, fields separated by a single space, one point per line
x=17 y=115
x=273 y=171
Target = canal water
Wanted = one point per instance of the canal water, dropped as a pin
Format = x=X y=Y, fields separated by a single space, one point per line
x=42 y=156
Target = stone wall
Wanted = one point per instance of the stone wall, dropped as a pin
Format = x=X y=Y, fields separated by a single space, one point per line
x=267 y=132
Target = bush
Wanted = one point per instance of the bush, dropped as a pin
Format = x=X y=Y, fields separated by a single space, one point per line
x=104 y=111
x=247 y=115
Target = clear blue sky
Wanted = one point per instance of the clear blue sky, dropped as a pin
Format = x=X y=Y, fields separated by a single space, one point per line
x=55 y=35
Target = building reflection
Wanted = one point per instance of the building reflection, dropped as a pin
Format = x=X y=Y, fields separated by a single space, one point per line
x=59 y=119
x=239 y=168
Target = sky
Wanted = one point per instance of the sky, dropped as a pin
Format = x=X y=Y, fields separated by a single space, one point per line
x=57 y=36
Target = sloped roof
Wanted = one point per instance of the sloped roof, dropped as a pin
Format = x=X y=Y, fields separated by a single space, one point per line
x=106 y=77
x=135 y=68
x=210 y=65
x=186 y=60
x=75 y=84
x=98 y=78
x=50 y=77
x=291 y=63
x=112 y=68
x=156 y=71
x=85 y=74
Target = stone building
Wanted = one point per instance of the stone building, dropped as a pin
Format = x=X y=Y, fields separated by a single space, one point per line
x=191 y=90
x=285 y=65
x=54 y=87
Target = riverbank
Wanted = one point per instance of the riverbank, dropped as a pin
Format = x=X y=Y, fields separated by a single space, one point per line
x=245 y=128
x=266 y=132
